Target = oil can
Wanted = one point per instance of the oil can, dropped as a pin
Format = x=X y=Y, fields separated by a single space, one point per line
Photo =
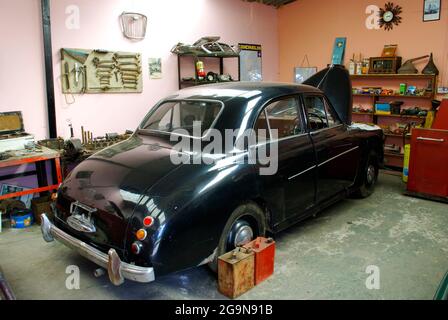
x=264 y=251
x=236 y=272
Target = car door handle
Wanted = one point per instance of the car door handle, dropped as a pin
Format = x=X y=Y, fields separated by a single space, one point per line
x=430 y=139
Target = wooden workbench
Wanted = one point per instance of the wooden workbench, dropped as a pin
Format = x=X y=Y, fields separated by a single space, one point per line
x=38 y=157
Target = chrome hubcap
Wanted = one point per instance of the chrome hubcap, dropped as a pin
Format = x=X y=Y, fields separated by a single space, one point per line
x=370 y=174
x=243 y=235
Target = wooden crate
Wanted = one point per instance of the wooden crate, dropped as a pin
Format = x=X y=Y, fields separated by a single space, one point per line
x=236 y=272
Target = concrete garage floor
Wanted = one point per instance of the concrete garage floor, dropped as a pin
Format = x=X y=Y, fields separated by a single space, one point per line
x=322 y=258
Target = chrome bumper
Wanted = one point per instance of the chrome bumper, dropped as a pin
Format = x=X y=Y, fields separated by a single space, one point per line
x=117 y=270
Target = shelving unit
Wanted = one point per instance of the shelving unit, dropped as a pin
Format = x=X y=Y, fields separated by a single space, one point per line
x=392 y=81
x=195 y=81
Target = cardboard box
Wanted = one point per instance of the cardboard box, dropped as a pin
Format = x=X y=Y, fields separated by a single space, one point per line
x=41 y=205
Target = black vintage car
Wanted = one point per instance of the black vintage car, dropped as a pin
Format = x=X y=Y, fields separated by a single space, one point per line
x=132 y=210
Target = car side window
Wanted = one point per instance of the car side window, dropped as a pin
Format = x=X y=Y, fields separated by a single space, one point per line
x=315 y=110
x=283 y=117
x=332 y=119
x=320 y=115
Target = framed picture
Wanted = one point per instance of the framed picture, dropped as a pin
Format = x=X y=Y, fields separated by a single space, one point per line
x=431 y=10
x=250 y=62
x=155 y=68
x=302 y=74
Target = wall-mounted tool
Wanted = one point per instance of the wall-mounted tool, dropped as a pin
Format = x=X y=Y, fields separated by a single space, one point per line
x=99 y=71
x=71 y=130
x=118 y=56
x=136 y=70
x=77 y=73
x=66 y=75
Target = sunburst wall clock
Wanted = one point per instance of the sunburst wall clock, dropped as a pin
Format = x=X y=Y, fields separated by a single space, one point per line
x=390 y=16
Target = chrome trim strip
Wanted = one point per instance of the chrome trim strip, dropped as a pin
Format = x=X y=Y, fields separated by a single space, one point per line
x=278 y=140
x=335 y=157
x=125 y=270
x=325 y=129
x=300 y=173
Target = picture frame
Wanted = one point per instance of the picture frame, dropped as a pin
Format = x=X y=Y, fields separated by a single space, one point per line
x=155 y=68
x=250 y=62
x=389 y=50
x=431 y=10
x=302 y=74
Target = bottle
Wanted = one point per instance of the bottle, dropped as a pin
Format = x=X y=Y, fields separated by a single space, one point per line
x=352 y=66
x=200 y=70
x=365 y=66
x=359 y=65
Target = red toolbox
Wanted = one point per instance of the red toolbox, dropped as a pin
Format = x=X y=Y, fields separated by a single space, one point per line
x=264 y=250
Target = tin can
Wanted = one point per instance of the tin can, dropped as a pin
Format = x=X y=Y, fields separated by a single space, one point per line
x=403 y=87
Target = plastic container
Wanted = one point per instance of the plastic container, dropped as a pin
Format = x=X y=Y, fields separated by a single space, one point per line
x=21 y=219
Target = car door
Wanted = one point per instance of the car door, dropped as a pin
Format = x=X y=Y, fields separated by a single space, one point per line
x=294 y=182
x=337 y=153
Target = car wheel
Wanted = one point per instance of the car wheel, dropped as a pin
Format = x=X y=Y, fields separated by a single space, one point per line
x=369 y=176
x=244 y=224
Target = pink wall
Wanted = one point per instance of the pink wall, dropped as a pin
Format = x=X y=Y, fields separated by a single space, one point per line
x=22 y=83
x=307 y=28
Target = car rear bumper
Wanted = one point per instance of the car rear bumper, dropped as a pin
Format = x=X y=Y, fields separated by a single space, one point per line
x=117 y=270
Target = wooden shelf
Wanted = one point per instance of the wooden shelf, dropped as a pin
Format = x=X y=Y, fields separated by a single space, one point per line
x=393 y=76
x=388 y=115
x=392 y=96
x=199 y=82
x=211 y=55
x=399 y=116
x=394 y=159
x=393 y=154
x=396 y=135
x=194 y=81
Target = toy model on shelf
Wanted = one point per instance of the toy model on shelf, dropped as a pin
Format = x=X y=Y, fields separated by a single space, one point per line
x=205 y=48
x=395 y=102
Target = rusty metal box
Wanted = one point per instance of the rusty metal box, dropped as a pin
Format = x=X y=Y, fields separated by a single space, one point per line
x=236 y=272
x=264 y=252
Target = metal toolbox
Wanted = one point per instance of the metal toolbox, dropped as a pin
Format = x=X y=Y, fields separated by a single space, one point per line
x=264 y=251
x=236 y=272
x=12 y=132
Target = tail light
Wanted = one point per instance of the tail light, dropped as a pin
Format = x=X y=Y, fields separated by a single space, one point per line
x=136 y=247
x=141 y=234
x=148 y=221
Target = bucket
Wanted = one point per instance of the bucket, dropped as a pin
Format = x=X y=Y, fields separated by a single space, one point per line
x=21 y=219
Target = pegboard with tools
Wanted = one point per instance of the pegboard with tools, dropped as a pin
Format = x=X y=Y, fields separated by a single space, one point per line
x=100 y=71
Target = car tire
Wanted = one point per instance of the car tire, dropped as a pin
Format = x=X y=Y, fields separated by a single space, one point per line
x=368 y=176
x=245 y=223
